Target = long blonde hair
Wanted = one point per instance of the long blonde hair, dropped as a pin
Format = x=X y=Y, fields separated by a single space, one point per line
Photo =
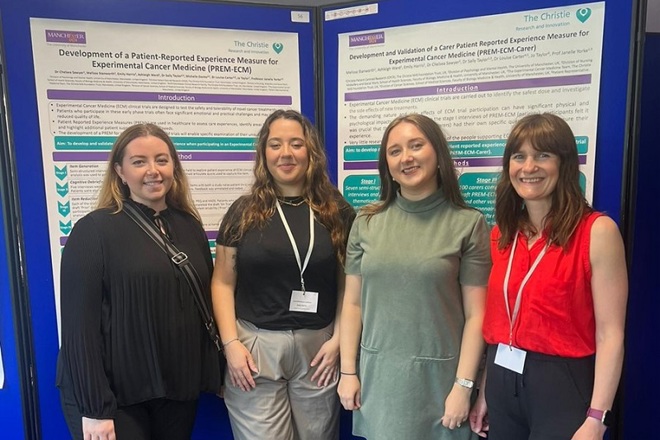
x=113 y=192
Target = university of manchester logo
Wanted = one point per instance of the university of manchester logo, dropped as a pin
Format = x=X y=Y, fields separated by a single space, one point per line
x=364 y=39
x=66 y=37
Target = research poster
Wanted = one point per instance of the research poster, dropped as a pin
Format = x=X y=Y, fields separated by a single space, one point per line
x=475 y=77
x=209 y=89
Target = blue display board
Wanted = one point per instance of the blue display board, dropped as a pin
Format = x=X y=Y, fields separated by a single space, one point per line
x=611 y=170
x=10 y=395
x=613 y=102
x=19 y=72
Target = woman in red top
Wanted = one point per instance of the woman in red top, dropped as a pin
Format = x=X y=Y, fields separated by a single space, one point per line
x=556 y=300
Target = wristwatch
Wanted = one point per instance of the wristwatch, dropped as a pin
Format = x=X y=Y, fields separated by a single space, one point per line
x=605 y=416
x=465 y=383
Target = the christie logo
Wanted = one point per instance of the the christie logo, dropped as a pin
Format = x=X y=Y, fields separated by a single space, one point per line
x=364 y=39
x=66 y=37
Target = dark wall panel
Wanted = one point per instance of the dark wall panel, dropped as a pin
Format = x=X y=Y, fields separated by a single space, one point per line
x=642 y=382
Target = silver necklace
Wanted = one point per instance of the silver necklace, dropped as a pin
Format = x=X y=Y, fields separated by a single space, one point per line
x=290 y=203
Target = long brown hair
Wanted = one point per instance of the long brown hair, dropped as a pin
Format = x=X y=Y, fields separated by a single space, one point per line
x=113 y=192
x=545 y=132
x=318 y=191
x=446 y=176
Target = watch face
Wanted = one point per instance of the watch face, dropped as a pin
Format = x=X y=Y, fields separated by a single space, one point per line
x=467 y=383
x=608 y=418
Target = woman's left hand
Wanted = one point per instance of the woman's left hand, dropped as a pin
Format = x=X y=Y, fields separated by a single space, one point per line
x=457 y=407
x=326 y=362
x=591 y=429
x=479 y=416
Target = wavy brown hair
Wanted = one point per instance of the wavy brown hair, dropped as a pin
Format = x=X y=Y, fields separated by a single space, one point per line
x=446 y=176
x=113 y=192
x=318 y=191
x=545 y=132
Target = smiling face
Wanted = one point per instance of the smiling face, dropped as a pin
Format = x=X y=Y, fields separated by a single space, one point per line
x=412 y=161
x=287 y=158
x=534 y=174
x=148 y=170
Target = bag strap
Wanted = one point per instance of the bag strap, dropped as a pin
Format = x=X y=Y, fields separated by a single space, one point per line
x=180 y=260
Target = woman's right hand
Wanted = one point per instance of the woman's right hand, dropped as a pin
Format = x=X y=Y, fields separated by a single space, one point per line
x=240 y=365
x=98 y=429
x=349 y=392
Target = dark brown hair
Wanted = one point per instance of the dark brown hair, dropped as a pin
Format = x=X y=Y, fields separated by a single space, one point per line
x=545 y=132
x=318 y=191
x=447 y=178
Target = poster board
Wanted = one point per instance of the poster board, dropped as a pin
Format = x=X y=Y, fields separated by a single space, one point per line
x=202 y=24
x=473 y=31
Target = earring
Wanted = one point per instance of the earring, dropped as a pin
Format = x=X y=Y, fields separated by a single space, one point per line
x=123 y=182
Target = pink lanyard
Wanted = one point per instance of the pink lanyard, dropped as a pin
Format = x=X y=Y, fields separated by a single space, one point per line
x=516 y=307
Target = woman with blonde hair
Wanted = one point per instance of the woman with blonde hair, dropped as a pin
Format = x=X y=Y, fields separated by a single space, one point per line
x=277 y=289
x=135 y=354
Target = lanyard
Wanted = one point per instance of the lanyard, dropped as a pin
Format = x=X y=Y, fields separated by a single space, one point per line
x=516 y=307
x=303 y=266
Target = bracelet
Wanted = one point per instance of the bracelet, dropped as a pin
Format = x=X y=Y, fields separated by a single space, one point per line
x=228 y=342
x=347 y=374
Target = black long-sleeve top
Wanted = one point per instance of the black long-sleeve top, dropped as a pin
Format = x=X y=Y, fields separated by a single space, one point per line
x=131 y=331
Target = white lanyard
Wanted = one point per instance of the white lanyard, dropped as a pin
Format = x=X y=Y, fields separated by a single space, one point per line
x=303 y=266
x=516 y=308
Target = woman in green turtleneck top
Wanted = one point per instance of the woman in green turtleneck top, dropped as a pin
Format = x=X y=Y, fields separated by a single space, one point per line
x=417 y=266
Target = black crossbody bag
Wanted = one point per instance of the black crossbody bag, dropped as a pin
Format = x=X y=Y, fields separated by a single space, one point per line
x=180 y=260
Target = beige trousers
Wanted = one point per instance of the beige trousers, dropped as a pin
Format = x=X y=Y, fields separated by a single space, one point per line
x=285 y=404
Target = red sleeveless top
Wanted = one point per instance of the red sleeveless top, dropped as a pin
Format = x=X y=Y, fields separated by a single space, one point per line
x=556 y=314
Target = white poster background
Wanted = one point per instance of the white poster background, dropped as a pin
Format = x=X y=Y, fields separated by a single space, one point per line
x=209 y=89
x=475 y=77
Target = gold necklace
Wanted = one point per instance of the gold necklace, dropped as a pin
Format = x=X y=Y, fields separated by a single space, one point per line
x=287 y=202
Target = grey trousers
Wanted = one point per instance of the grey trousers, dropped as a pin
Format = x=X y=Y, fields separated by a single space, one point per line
x=285 y=404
